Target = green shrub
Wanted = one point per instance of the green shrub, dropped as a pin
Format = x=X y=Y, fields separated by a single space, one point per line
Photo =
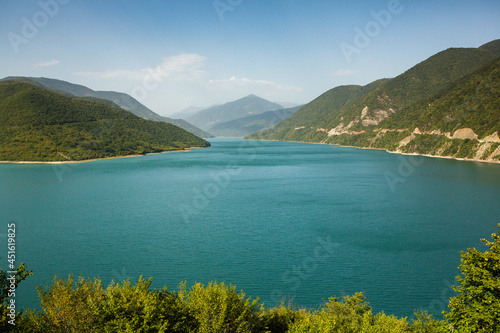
x=220 y=308
x=477 y=307
x=85 y=306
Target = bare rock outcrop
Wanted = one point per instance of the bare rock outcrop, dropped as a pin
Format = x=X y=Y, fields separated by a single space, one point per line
x=464 y=133
x=491 y=138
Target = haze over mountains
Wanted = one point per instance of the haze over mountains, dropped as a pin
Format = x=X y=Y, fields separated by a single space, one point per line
x=447 y=105
x=200 y=121
x=251 y=105
x=123 y=100
x=251 y=124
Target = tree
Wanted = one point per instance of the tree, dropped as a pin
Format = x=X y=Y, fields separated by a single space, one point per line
x=85 y=306
x=219 y=308
x=351 y=315
x=477 y=307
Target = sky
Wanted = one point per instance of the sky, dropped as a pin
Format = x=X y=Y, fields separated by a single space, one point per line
x=173 y=54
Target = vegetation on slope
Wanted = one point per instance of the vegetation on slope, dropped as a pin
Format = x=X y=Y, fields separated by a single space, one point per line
x=471 y=102
x=39 y=125
x=122 y=100
x=455 y=89
x=420 y=82
x=317 y=114
x=85 y=305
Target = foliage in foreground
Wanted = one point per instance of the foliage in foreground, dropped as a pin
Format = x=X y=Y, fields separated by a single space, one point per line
x=477 y=306
x=84 y=305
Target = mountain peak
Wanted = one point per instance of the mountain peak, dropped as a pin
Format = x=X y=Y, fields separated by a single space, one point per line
x=243 y=107
x=251 y=97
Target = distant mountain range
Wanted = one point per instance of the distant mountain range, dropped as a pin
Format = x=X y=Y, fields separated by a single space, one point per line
x=189 y=111
x=216 y=118
x=203 y=122
x=41 y=124
x=251 y=124
x=125 y=101
x=447 y=105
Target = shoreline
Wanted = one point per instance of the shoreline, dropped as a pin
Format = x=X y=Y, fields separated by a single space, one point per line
x=445 y=157
x=390 y=152
x=99 y=159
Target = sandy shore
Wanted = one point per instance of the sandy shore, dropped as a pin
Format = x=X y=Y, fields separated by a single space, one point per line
x=314 y=143
x=446 y=157
x=392 y=152
x=98 y=159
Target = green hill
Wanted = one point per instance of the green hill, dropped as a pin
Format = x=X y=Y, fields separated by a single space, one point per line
x=461 y=121
x=304 y=124
x=37 y=124
x=388 y=111
x=124 y=101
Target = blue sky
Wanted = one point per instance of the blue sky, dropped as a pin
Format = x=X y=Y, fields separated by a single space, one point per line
x=174 y=54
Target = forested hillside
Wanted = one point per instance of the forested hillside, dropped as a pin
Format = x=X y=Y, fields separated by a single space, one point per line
x=124 y=101
x=448 y=105
x=39 y=125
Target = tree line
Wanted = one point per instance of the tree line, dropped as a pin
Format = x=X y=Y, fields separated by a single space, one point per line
x=85 y=305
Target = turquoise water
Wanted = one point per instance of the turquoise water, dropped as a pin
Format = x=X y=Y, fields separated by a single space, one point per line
x=278 y=220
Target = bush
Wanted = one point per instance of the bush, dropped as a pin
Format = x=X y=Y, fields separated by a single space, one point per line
x=85 y=306
x=220 y=308
x=279 y=319
x=477 y=307
x=353 y=314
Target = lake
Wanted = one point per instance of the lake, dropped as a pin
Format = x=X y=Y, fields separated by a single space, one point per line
x=281 y=221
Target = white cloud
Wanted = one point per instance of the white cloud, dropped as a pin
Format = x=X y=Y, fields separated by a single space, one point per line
x=181 y=80
x=345 y=72
x=233 y=88
x=47 y=64
x=183 y=67
x=235 y=83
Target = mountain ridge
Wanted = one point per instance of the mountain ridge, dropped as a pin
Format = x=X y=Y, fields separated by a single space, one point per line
x=251 y=124
x=377 y=119
x=39 y=125
x=123 y=100
x=246 y=106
